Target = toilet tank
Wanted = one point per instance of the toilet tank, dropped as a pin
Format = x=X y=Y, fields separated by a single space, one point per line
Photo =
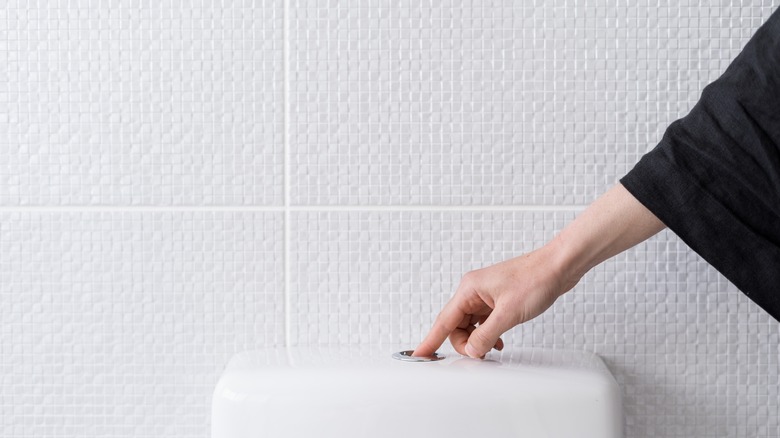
x=351 y=392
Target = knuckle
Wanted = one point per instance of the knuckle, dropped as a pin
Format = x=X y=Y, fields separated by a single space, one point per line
x=481 y=338
x=469 y=278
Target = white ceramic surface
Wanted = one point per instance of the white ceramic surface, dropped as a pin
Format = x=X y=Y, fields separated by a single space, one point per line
x=351 y=392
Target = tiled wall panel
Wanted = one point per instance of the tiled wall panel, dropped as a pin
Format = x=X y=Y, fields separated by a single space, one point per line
x=141 y=103
x=117 y=321
x=118 y=324
x=491 y=102
x=693 y=355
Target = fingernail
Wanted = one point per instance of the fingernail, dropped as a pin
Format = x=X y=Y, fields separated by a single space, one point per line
x=471 y=351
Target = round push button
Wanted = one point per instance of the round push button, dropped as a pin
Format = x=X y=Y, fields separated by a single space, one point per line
x=406 y=356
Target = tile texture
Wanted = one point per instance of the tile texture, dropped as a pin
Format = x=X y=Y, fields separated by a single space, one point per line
x=491 y=102
x=693 y=355
x=150 y=103
x=118 y=324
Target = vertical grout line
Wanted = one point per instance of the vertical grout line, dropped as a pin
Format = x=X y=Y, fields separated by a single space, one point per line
x=286 y=177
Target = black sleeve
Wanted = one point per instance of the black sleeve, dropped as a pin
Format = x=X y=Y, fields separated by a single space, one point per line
x=714 y=179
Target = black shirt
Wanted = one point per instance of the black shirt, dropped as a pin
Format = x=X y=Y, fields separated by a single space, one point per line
x=714 y=179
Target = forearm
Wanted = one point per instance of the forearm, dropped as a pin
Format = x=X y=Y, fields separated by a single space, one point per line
x=612 y=224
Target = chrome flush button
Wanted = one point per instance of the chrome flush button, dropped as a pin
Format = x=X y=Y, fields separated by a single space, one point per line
x=406 y=356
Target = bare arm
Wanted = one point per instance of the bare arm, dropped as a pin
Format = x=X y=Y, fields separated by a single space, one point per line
x=492 y=300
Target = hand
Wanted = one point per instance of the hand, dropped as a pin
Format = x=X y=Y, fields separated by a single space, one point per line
x=492 y=300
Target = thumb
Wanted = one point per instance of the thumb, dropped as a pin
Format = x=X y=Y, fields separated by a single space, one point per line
x=484 y=337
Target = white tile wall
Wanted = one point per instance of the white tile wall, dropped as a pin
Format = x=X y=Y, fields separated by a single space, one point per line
x=141 y=103
x=490 y=102
x=118 y=323
x=159 y=162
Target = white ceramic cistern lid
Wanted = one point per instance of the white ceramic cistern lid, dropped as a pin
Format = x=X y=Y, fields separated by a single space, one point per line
x=350 y=392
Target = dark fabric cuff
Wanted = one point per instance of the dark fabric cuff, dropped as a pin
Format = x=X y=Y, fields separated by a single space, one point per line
x=745 y=258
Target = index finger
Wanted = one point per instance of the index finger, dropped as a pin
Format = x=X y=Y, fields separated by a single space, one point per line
x=447 y=321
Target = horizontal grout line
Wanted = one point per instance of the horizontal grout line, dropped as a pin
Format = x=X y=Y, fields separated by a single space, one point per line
x=302 y=208
x=326 y=208
x=77 y=208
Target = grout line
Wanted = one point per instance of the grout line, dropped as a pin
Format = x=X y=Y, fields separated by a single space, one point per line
x=132 y=208
x=288 y=208
x=286 y=178
x=436 y=208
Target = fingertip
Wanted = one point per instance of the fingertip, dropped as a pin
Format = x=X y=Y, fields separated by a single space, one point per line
x=422 y=350
x=472 y=352
x=446 y=322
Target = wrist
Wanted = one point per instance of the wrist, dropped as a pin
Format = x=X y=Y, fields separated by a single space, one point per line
x=567 y=261
x=613 y=223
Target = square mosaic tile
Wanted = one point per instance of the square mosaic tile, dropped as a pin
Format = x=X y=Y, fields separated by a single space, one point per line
x=118 y=324
x=151 y=103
